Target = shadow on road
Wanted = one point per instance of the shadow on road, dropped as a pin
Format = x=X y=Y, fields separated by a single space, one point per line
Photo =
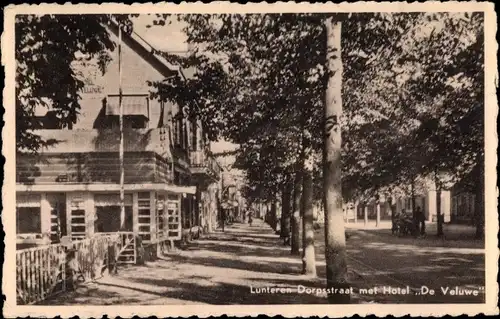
x=238 y=265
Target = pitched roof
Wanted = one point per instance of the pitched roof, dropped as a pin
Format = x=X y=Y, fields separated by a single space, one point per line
x=148 y=52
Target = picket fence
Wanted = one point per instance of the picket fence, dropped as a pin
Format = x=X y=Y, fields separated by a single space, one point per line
x=43 y=272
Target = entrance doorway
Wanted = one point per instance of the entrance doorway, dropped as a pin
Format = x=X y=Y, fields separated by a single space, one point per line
x=107 y=209
x=108 y=219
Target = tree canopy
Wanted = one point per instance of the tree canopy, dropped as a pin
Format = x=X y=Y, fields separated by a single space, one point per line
x=45 y=48
x=412 y=91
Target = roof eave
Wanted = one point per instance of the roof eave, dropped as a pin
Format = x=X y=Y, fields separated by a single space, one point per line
x=169 y=68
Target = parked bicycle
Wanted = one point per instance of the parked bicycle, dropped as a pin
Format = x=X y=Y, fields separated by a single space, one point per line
x=404 y=224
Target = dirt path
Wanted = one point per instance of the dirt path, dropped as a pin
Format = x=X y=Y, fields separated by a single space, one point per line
x=243 y=265
x=233 y=267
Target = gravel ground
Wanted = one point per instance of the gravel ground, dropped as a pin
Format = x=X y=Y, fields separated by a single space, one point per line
x=244 y=264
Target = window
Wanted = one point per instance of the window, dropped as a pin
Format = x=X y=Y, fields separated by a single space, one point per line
x=182 y=132
x=29 y=220
x=160 y=206
x=28 y=214
x=108 y=213
x=175 y=130
x=173 y=220
x=178 y=130
x=185 y=125
x=194 y=137
x=135 y=110
x=144 y=217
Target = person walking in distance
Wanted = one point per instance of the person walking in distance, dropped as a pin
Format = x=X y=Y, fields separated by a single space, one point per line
x=420 y=216
x=223 y=218
x=250 y=219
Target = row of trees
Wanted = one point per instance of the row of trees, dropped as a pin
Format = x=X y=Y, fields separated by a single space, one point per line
x=405 y=91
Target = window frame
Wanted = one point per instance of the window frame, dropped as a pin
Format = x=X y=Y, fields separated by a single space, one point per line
x=30 y=204
x=129 y=210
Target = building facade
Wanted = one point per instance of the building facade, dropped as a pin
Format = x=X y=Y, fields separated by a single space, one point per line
x=71 y=189
x=426 y=200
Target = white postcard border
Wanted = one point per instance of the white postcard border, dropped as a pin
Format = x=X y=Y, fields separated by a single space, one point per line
x=491 y=142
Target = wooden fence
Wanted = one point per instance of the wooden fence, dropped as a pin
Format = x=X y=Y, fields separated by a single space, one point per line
x=40 y=273
x=45 y=271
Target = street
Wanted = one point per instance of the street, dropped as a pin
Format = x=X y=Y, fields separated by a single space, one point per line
x=249 y=265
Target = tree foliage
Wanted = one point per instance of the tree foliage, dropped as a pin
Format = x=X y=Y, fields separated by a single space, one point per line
x=45 y=48
x=413 y=87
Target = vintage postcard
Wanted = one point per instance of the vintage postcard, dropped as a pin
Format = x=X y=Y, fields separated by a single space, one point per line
x=285 y=159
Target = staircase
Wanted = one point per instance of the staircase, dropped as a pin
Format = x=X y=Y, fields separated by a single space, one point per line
x=127 y=248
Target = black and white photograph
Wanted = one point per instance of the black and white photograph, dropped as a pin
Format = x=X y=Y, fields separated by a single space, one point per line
x=182 y=158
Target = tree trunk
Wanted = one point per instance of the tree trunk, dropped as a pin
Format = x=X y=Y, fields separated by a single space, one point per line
x=286 y=210
x=365 y=213
x=335 y=244
x=413 y=201
x=413 y=208
x=391 y=210
x=297 y=188
x=356 y=206
x=274 y=218
x=440 y=217
x=308 y=255
x=479 y=211
x=377 y=221
x=211 y=210
x=282 y=218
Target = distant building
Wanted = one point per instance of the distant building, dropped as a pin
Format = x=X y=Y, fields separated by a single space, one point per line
x=463 y=200
x=458 y=202
x=72 y=188
x=425 y=198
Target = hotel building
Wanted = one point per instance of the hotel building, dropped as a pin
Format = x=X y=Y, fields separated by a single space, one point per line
x=71 y=189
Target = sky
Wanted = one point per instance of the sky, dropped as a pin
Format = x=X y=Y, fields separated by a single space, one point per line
x=166 y=38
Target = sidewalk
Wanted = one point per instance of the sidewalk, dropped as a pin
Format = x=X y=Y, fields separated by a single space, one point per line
x=223 y=268
x=236 y=266
x=452 y=232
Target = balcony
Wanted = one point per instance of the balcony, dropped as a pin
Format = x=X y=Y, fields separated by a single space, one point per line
x=91 y=156
x=107 y=140
x=203 y=164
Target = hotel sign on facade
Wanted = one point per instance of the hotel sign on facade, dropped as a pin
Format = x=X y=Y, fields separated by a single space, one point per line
x=90 y=75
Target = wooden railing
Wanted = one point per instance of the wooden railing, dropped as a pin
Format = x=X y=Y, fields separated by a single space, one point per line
x=91 y=256
x=200 y=159
x=100 y=167
x=126 y=246
x=48 y=270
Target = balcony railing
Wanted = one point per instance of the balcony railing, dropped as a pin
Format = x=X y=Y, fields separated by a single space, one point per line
x=201 y=160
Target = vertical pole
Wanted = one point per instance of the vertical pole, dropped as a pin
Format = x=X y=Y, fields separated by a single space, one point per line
x=377 y=222
x=120 y=93
x=366 y=214
x=355 y=212
x=223 y=212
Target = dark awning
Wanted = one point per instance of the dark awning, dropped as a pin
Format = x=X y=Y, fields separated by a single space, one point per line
x=132 y=105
